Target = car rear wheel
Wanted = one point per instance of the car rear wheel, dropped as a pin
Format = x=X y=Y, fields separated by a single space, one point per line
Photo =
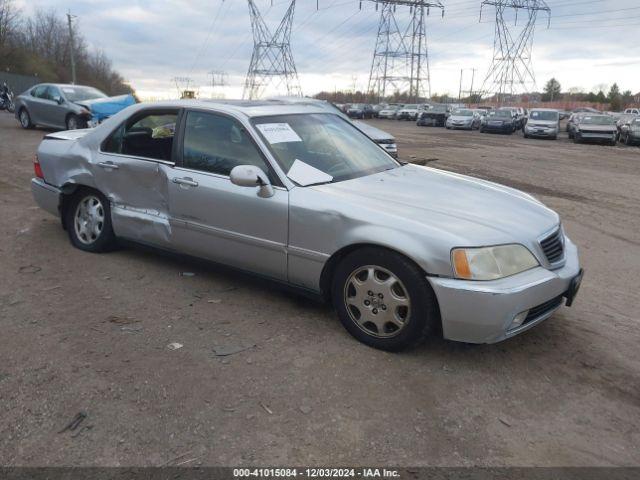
x=25 y=119
x=87 y=219
x=384 y=300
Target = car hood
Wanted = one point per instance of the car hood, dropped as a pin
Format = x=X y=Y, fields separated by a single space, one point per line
x=372 y=132
x=460 y=118
x=469 y=211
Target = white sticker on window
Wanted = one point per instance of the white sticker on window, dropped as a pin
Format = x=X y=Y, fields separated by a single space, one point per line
x=304 y=174
x=278 y=132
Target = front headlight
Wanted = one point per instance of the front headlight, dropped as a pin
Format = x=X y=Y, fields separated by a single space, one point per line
x=491 y=263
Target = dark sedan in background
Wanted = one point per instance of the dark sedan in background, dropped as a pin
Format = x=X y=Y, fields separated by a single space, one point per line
x=360 y=110
x=501 y=121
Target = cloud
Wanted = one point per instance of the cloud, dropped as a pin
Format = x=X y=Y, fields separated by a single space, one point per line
x=152 y=42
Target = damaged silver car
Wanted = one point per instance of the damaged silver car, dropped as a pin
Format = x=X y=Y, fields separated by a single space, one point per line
x=301 y=196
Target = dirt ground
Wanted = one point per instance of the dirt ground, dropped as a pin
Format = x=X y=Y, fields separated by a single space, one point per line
x=83 y=332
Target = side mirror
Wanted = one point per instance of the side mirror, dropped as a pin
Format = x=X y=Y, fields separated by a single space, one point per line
x=251 y=176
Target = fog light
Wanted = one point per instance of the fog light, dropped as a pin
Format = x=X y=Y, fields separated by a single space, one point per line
x=518 y=319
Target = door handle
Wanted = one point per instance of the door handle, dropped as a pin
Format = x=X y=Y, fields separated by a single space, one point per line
x=110 y=165
x=185 y=181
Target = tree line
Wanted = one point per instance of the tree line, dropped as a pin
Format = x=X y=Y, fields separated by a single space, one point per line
x=40 y=45
x=616 y=99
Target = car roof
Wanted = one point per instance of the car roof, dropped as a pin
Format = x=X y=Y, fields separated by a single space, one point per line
x=249 y=108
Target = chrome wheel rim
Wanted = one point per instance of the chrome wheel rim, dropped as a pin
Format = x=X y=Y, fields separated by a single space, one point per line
x=24 y=118
x=89 y=219
x=377 y=301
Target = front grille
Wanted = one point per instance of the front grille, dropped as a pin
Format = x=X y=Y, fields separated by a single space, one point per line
x=553 y=246
x=542 y=309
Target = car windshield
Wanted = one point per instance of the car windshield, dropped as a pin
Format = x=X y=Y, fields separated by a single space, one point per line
x=438 y=109
x=411 y=107
x=357 y=106
x=463 y=113
x=501 y=114
x=77 y=94
x=543 y=115
x=321 y=147
x=598 y=120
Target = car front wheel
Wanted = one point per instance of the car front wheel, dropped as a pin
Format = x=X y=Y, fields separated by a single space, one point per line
x=384 y=300
x=25 y=119
x=87 y=219
x=74 y=122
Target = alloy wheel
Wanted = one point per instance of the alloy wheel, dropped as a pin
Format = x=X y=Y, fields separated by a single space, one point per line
x=88 y=220
x=377 y=301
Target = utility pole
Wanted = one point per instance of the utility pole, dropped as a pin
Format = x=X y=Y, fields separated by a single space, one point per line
x=460 y=88
x=72 y=47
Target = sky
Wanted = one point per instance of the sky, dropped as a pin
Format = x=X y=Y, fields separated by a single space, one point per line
x=590 y=44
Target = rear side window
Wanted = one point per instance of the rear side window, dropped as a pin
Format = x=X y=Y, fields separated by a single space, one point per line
x=39 y=91
x=150 y=136
x=216 y=144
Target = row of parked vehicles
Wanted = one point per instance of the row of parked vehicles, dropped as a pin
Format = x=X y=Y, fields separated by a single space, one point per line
x=584 y=124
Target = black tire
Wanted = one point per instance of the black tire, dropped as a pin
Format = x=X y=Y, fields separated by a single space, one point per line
x=25 y=119
x=576 y=139
x=423 y=316
x=627 y=140
x=106 y=240
x=525 y=135
x=74 y=122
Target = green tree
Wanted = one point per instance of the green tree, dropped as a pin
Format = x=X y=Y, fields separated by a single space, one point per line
x=614 y=97
x=552 y=91
x=601 y=97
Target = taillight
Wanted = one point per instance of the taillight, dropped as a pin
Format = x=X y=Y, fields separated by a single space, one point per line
x=37 y=169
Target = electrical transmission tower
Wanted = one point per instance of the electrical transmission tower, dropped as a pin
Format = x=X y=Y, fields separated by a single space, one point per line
x=401 y=58
x=511 y=72
x=271 y=62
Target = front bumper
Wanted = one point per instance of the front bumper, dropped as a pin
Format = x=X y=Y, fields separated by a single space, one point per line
x=46 y=196
x=391 y=149
x=542 y=132
x=482 y=312
x=463 y=126
x=505 y=127
x=596 y=136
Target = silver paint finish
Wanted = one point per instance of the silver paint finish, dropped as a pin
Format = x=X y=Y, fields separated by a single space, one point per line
x=420 y=212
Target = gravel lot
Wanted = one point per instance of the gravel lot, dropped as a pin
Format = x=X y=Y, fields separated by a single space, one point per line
x=84 y=332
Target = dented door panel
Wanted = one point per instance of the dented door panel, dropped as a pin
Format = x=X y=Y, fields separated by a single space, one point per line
x=137 y=189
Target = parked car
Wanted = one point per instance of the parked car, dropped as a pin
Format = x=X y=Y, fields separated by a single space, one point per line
x=596 y=128
x=630 y=132
x=543 y=122
x=633 y=111
x=390 y=112
x=360 y=110
x=409 y=112
x=573 y=121
x=66 y=107
x=435 y=116
x=464 y=118
x=624 y=119
x=377 y=109
x=501 y=121
x=518 y=118
x=299 y=195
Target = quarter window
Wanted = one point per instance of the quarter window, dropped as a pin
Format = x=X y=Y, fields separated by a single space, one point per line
x=150 y=136
x=215 y=143
x=39 y=91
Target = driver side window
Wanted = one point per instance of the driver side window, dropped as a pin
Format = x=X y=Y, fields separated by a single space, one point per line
x=150 y=136
x=216 y=144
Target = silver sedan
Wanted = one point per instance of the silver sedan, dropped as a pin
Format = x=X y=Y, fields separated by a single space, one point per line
x=301 y=196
